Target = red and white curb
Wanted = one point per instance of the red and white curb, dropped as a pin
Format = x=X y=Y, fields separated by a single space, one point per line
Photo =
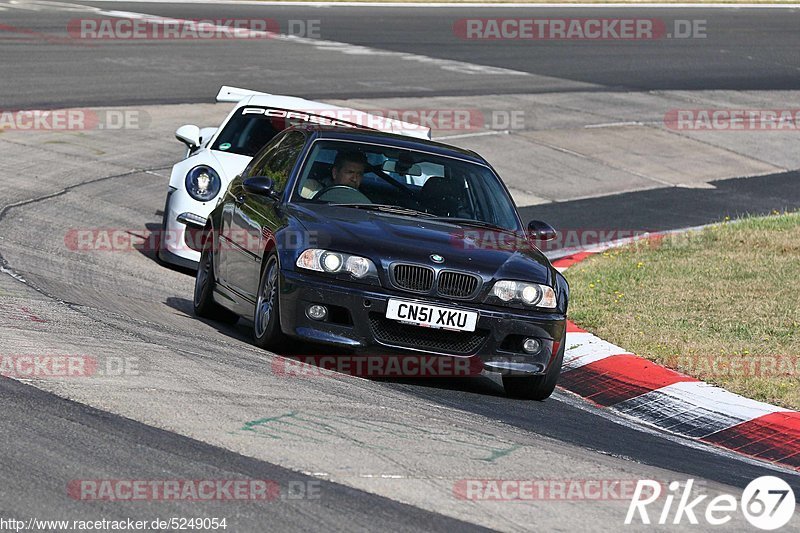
x=612 y=377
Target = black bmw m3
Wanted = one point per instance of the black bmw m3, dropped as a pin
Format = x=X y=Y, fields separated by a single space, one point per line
x=379 y=243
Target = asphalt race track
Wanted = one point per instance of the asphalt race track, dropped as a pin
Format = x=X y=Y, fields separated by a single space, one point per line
x=742 y=50
x=199 y=401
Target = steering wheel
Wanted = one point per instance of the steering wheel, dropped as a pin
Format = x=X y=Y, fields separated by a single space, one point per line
x=342 y=194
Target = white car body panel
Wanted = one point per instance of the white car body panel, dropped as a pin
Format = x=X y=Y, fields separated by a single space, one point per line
x=228 y=165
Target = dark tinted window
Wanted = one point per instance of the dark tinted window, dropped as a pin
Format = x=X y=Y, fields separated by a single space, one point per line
x=446 y=187
x=278 y=161
x=248 y=131
x=252 y=127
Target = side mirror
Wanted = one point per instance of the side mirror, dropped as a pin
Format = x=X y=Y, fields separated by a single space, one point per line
x=189 y=135
x=541 y=231
x=262 y=186
x=206 y=134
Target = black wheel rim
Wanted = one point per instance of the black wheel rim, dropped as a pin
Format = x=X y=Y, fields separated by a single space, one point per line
x=265 y=308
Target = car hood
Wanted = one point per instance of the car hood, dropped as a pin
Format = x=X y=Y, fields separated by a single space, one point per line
x=229 y=164
x=386 y=238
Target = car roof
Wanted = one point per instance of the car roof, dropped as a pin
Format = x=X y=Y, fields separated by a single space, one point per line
x=400 y=141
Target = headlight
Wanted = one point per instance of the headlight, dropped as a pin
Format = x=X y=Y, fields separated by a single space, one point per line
x=335 y=262
x=331 y=262
x=202 y=183
x=358 y=266
x=531 y=294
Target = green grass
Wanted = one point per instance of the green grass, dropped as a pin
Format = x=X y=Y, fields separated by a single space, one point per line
x=720 y=304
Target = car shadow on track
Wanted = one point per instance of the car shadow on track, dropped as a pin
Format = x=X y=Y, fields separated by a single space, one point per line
x=319 y=356
x=311 y=354
x=239 y=331
x=481 y=385
x=149 y=248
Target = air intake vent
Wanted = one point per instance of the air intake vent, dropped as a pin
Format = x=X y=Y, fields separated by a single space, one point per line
x=394 y=333
x=457 y=284
x=413 y=278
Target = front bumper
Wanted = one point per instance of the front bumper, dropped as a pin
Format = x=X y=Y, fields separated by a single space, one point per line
x=179 y=240
x=357 y=322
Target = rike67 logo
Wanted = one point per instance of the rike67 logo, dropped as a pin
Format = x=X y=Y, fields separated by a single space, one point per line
x=767 y=502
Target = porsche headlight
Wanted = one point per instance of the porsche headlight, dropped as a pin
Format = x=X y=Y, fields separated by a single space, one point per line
x=203 y=183
x=335 y=263
x=531 y=294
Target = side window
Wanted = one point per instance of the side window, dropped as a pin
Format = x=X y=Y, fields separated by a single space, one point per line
x=256 y=165
x=278 y=162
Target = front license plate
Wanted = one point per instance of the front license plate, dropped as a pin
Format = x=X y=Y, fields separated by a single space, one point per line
x=431 y=316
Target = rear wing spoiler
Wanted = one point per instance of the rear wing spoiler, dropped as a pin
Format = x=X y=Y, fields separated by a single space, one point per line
x=235 y=94
x=334 y=114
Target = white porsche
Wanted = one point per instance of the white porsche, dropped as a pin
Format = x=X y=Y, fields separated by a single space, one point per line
x=215 y=156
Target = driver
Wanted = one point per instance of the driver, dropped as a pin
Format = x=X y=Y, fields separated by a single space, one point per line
x=348 y=170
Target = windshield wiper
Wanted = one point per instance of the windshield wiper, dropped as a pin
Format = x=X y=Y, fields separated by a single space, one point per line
x=387 y=208
x=471 y=222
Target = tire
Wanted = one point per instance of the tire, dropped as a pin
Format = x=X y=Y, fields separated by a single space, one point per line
x=536 y=387
x=204 y=283
x=267 y=332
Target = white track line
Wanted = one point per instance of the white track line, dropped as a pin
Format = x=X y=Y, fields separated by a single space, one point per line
x=344 y=48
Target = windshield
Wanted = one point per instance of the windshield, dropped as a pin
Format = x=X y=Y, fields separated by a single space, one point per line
x=252 y=127
x=358 y=175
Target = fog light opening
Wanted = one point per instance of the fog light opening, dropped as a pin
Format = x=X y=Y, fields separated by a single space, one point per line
x=317 y=312
x=531 y=345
